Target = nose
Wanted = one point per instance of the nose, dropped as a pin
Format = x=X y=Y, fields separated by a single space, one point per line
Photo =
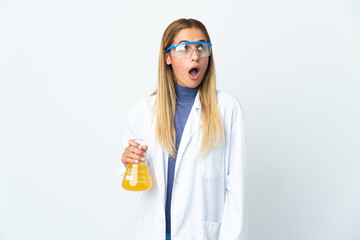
x=194 y=57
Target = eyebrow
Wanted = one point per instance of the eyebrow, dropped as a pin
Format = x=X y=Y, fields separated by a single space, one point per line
x=202 y=40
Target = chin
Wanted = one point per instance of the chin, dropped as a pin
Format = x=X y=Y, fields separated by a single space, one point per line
x=193 y=83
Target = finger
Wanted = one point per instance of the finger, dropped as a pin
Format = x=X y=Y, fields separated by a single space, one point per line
x=135 y=150
x=144 y=148
x=134 y=157
x=129 y=157
x=134 y=143
x=124 y=161
x=127 y=160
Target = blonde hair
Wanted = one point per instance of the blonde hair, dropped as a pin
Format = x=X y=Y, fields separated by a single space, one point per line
x=165 y=102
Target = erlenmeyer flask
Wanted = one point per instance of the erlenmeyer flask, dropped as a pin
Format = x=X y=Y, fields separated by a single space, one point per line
x=137 y=176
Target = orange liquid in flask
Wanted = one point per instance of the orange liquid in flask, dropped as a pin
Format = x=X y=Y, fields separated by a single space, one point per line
x=137 y=177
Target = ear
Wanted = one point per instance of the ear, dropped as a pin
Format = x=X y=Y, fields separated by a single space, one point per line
x=167 y=59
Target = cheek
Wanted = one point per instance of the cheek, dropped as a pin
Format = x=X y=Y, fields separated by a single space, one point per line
x=178 y=67
x=205 y=65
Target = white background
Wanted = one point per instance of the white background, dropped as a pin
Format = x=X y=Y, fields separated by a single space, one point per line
x=71 y=70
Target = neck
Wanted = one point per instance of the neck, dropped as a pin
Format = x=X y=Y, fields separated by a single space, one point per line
x=185 y=94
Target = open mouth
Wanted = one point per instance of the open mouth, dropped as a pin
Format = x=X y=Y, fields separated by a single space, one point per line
x=194 y=73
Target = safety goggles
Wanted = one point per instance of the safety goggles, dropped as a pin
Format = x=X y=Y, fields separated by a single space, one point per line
x=185 y=49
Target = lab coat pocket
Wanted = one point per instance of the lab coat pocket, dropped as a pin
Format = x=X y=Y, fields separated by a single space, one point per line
x=212 y=230
x=139 y=230
x=212 y=164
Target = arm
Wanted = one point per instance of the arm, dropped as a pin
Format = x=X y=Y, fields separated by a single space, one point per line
x=131 y=153
x=234 y=221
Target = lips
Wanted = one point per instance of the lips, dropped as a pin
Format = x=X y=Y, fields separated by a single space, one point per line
x=194 y=73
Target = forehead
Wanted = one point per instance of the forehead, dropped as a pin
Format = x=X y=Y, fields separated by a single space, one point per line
x=189 y=34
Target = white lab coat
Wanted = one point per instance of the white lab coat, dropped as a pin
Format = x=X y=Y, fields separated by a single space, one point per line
x=209 y=193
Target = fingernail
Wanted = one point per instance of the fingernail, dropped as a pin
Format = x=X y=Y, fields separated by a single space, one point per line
x=142 y=159
x=139 y=146
x=136 y=161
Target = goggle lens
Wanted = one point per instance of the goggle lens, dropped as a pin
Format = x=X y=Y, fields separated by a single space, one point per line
x=185 y=49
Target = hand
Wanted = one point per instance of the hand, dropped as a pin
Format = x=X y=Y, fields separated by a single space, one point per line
x=133 y=153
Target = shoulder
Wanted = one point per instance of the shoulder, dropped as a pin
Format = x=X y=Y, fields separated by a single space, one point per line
x=142 y=108
x=230 y=110
x=146 y=103
x=228 y=102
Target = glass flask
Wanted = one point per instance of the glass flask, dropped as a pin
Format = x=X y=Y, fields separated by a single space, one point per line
x=137 y=175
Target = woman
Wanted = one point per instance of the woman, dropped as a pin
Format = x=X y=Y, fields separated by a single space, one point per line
x=195 y=145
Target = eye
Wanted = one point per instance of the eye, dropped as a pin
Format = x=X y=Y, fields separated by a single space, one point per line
x=183 y=47
x=202 y=47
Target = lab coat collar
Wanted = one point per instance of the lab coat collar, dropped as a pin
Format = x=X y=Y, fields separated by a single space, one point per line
x=197 y=103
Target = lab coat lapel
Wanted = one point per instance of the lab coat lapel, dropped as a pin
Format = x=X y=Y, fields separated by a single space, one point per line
x=157 y=155
x=193 y=124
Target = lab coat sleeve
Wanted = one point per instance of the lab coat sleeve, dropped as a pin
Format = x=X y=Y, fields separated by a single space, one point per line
x=131 y=129
x=234 y=224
